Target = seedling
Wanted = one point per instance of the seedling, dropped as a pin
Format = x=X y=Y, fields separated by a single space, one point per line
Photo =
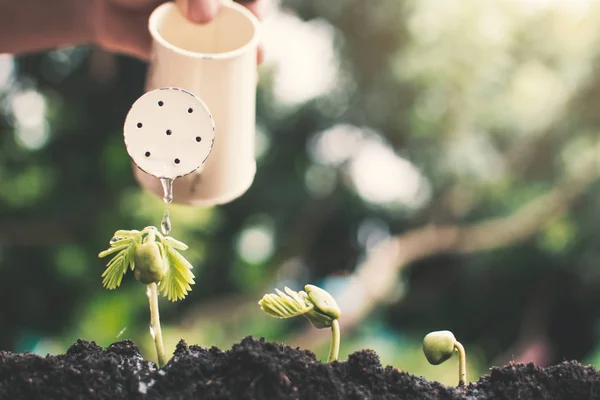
x=439 y=346
x=317 y=305
x=155 y=262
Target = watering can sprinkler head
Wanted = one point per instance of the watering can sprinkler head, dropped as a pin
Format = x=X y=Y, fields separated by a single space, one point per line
x=169 y=133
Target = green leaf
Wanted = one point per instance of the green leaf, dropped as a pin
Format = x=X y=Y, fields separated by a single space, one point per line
x=112 y=250
x=281 y=305
x=271 y=305
x=176 y=244
x=126 y=234
x=115 y=269
x=176 y=283
x=294 y=295
x=124 y=244
x=131 y=257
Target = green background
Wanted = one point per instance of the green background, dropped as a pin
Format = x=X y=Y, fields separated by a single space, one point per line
x=464 y=132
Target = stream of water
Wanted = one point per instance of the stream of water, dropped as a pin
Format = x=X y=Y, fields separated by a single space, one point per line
x=165 y=224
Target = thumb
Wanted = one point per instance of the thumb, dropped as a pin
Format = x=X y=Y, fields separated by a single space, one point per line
x=199 y=11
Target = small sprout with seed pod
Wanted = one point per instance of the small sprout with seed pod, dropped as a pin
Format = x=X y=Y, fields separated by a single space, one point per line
x=439 y=346
x=314 y=303
x=156 y=263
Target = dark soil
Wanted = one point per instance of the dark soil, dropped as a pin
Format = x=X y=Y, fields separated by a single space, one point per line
x=257 y=369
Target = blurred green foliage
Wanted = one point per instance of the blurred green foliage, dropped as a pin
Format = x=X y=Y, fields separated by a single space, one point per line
x=435 y=112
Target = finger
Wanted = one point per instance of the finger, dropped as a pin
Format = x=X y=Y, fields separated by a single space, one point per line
x=199 y=11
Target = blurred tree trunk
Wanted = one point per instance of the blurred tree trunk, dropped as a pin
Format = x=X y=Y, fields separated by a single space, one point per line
x=375 y=279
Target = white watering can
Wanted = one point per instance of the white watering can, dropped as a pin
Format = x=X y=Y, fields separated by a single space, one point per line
x=195 y=125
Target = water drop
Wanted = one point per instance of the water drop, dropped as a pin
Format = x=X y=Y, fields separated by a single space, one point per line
x=152 y=332
x=165 y=224
x=121 y=333
x=167 y=184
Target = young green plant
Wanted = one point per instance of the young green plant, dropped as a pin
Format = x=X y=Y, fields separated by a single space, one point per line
x=314 y=303
x=439 y=346
x=156 y=263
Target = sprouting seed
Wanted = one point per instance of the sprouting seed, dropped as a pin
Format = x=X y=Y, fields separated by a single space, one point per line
x=439 y=346
x=155 y=262
x=314 y=303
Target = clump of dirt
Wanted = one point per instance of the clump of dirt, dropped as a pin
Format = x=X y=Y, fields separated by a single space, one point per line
x=257 y=369
x=565 y=381
x=85 y=372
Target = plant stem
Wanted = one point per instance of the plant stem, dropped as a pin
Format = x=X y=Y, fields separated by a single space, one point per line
x=462 y=364
x=334 y=347
x=151 y=235
x=155 y=331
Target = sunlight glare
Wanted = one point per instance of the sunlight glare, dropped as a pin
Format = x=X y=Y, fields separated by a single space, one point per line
x=302 y=54
x=382 y=177
x=256 y=244
x=336 y=144
x=29 y=112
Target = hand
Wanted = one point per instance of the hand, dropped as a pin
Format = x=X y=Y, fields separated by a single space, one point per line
x=122 y=25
